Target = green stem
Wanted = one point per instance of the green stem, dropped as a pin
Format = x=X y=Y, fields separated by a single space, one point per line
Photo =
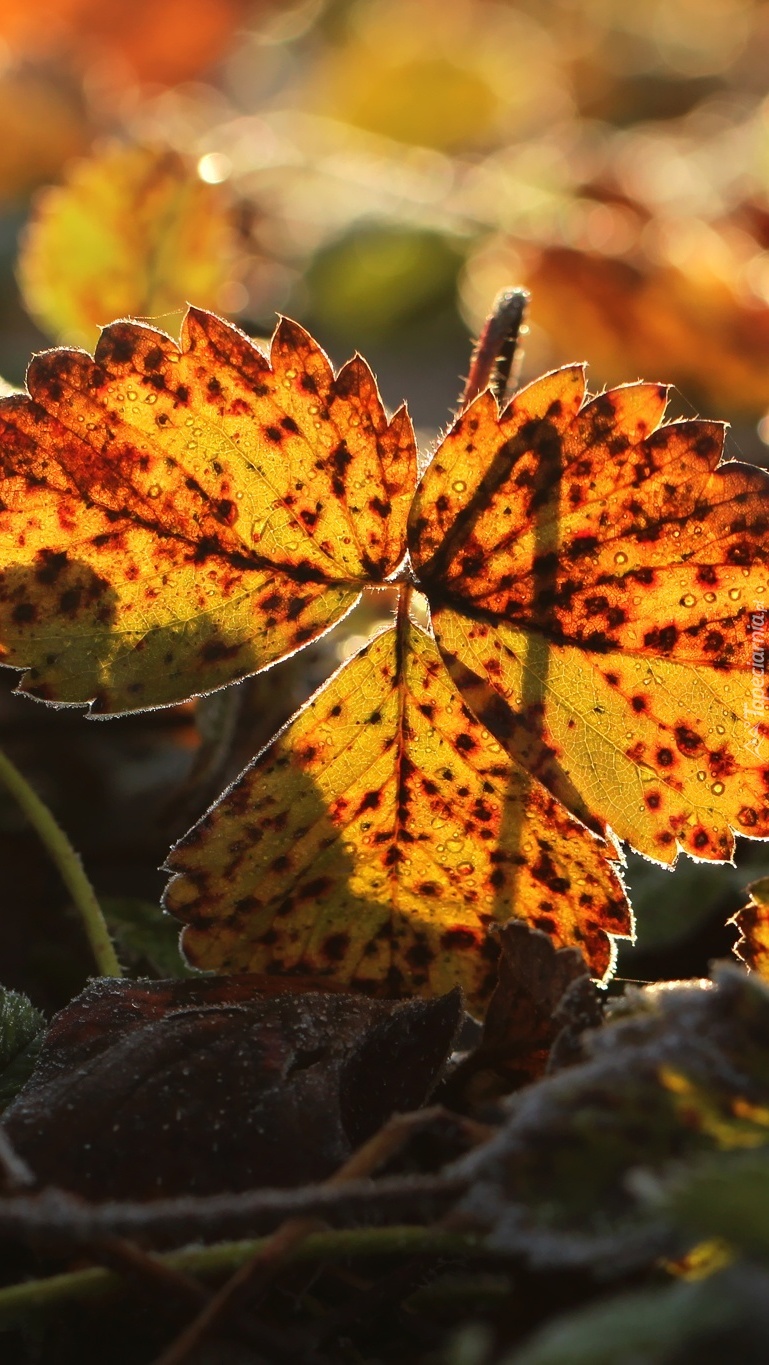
x=68 y=862
x=17 y=1300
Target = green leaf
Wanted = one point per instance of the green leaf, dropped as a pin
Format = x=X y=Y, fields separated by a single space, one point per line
x=148 y=939
x=645 y=1328
x=21 y=1033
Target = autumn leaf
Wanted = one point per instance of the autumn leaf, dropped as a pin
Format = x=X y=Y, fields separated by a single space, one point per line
x=140 y=232
x=378 y=837
x=174 y=518
x=752 y=947
x=155 y=40
x=694 y=325
x=178 y=517
x=594 y=579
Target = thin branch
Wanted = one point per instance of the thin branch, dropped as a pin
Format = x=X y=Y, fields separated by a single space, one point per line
x=17 y=1301
x=255 y=1274
x=63 y=1221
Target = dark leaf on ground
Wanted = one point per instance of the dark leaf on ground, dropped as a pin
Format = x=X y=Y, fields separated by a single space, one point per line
x=151 y=1088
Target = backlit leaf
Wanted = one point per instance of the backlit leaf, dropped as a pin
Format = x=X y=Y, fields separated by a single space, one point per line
x=379 y=835
x=174 y=518
x=140 y=234
x=595 y=583
x=753 y=923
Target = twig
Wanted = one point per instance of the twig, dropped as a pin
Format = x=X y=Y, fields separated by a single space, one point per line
x=62 y=1220
x=78 y=1286
x=68 y=862
x=271 y=1257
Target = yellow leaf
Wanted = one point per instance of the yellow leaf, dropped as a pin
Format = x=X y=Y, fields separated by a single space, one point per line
x=132 y=232
x=595 y=583
x=176 y=518
x=380 y=835
x=752 y=947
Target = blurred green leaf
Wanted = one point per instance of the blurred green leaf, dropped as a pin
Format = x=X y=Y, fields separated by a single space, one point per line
x=21 y=1033
x=724 y=1195
x=379 y=279
x=650 y=1327
x=147 y=939
x=670 y=906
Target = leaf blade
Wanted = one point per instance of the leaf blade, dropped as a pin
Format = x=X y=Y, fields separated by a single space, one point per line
x=210 y=531
x=599 y=611
x=380 y=862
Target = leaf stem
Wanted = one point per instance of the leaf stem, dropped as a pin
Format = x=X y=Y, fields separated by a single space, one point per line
x=17 y=1300
x=496 y=355
x=68 y=863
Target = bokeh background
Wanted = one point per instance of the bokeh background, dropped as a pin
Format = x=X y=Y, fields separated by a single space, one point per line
x=378 y=169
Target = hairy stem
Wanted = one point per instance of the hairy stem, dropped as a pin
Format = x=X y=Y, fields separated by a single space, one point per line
x=68 y=862
x=35 y=1296
x=497 y=354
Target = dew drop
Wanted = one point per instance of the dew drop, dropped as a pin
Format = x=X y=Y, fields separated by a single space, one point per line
x=676 y=533
x=735 y=594
x=154 y=490
x=464 y=868
x=197 y=431
x=717 y=788
x=314 y=408
x=188 y=421
x=688 y=600
x=459 y=485
x=192 y=445
x=239 y=495
x=710 y=597
x=131 y=395
x=701 y=776
x=151 y=398
x=454 y=845
x=720 y=730
x=620 y=557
